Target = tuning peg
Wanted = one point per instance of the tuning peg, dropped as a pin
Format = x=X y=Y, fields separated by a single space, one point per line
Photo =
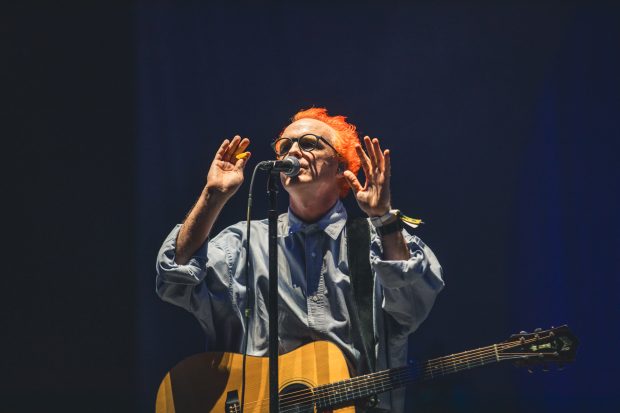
x=522 y=332
x=537 y=330
x=530 y=371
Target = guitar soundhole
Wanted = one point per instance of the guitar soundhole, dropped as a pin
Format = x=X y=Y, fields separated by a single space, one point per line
x=296 y=398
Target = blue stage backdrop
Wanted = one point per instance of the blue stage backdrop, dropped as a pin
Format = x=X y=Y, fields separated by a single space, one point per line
x=503 y=122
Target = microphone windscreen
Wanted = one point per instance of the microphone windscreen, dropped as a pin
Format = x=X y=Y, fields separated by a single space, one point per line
x=295 y=166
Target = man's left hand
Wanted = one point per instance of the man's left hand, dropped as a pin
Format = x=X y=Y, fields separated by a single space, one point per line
x=374 y=197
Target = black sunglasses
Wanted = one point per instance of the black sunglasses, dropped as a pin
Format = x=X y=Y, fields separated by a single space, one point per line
x=308 y=143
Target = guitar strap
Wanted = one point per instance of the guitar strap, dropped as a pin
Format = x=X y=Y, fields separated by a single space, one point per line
x=362 y=286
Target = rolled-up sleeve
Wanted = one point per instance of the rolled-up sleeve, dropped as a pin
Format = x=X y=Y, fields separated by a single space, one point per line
x=409 y=287
x=203 y=286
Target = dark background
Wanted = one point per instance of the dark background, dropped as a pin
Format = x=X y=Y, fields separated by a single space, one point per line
x=502 y=119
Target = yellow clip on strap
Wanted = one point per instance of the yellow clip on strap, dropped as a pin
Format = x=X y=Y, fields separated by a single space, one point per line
x=412 y=222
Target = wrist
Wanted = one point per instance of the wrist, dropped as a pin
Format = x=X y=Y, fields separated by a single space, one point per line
x=387 y=218
x=214 y=196
x=391 y=228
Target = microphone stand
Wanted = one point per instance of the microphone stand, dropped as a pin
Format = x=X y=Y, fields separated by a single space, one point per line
x=272 y=190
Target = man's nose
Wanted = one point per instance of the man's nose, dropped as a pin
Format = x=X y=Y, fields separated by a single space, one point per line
x=295 y=150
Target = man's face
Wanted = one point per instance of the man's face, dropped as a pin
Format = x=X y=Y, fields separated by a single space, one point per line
x=319 y=168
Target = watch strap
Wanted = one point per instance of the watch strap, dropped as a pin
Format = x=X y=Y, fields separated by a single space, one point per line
x=390 y=228
x=387 y=218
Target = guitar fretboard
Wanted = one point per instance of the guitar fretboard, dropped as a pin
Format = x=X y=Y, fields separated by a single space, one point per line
x=347 y=391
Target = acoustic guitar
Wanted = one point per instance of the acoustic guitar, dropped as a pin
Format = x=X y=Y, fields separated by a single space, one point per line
x=315 y=377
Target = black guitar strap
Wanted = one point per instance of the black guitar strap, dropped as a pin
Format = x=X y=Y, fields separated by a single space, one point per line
x=362 y=283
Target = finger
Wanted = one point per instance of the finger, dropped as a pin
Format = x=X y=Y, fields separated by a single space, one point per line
x=379 y=154
x=232 y=149
x=219 y=155
x=364 y=160
x=242 y=146
x=353 y=182
x=240 y=149
x=388 y=163
x=371 y=152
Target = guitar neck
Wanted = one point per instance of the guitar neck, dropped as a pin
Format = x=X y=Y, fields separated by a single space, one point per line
x=347 y=391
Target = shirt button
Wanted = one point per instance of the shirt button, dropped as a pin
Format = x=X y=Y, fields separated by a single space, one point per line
x=313 y=254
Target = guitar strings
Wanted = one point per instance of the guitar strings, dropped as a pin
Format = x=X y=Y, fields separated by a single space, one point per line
x=473 y=354
x=429 y=369
x=373 y=385
x=364 y=383
x=406 y=371
x=369 y=385
x=405 y=376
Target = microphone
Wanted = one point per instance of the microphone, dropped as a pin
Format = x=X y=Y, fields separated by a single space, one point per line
x=289 y=165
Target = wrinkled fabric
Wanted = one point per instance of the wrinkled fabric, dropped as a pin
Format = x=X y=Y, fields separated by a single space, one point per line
x=314 y=287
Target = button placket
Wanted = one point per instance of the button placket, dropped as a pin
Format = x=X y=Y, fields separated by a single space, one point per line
x=313 y=277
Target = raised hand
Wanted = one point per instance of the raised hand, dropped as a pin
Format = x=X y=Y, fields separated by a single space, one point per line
x=225 y=175
x=374 y=196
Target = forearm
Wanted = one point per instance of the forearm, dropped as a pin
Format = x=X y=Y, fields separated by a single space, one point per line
x=198 y=224
x=395 y=247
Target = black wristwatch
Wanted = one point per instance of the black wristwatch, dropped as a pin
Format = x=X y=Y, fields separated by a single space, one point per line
x=390 y=228
x=387 y=223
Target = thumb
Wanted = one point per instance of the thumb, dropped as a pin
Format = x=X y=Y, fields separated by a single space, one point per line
x=352 y=181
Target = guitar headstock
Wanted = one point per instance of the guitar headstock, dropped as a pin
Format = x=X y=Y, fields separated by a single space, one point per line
x=557 y=345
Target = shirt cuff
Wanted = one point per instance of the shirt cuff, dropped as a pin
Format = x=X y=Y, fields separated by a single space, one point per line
x=191 y=273
x=399 y=273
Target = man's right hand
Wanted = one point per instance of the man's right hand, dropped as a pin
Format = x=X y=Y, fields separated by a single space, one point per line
x=224 y=178
x=225 y=175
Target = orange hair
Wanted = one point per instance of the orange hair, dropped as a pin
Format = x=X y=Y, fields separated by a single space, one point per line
x=345 y=144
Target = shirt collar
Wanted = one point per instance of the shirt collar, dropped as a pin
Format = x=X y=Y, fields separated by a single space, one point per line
x=331 y=223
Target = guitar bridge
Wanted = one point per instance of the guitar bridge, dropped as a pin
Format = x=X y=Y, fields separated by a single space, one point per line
x=232 y=402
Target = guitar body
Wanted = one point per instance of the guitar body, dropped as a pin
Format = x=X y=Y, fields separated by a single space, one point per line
x=206 y=382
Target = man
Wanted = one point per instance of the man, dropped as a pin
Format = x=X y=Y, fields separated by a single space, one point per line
x=209 y=280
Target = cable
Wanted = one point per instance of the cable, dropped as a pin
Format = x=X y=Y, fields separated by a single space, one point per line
x=248 y=287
